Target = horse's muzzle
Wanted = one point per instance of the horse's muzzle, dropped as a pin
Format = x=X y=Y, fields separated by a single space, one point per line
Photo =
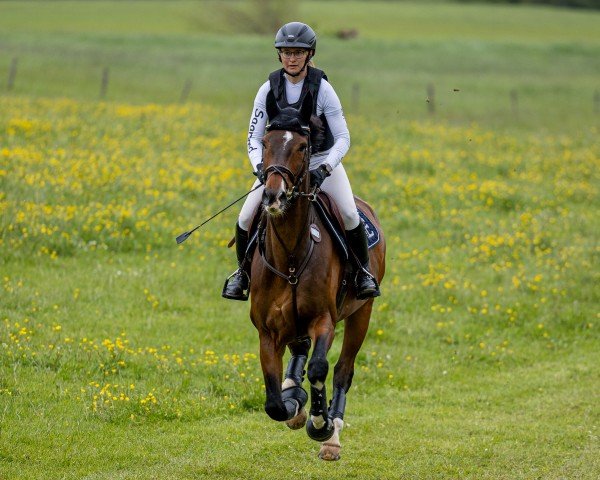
x=274 y=201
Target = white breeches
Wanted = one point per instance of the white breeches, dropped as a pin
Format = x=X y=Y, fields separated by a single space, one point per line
x=337 y=186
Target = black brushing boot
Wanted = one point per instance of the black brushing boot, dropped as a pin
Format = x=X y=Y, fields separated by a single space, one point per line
x=366 y=285
x=237 y=284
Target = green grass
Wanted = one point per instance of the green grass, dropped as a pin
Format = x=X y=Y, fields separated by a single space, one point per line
x=402 y=20
x=480 y=362
x=548 y=56
x=119 y=359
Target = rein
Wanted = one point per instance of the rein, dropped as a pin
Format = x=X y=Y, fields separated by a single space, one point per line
x=294 y=272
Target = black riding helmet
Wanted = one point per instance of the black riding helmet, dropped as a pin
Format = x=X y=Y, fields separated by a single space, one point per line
x=296 y=35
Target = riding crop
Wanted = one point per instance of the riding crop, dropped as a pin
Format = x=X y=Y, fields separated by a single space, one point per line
x=184 y=236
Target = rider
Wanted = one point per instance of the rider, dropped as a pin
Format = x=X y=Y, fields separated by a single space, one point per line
x=296 y=44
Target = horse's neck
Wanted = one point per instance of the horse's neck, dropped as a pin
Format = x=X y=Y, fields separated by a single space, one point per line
x=288 y=234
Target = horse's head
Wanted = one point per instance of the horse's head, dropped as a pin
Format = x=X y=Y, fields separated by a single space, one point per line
x=287 y=147
x=285 y=163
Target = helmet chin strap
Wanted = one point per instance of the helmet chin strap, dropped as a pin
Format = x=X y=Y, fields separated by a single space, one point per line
x=308 y=57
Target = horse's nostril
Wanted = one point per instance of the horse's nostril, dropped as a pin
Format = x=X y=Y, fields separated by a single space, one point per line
x=270 y=196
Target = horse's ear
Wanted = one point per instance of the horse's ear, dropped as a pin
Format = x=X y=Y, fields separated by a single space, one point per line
x=306 y=109
x=272 y=107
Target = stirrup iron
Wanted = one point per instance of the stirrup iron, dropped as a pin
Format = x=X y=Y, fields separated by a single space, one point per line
x=243 y=295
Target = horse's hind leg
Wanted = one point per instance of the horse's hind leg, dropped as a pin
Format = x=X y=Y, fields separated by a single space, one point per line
x=354 y=335
x=294 y=375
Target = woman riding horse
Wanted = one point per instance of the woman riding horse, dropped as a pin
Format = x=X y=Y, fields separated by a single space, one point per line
x=296 y=45
x=299 y=289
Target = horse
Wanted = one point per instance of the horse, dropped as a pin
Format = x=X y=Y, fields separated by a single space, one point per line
x=296 y=274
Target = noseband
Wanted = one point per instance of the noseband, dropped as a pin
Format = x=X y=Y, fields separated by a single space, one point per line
x=285 y=172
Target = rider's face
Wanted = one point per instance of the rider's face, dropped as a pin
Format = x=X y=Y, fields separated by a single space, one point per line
x=293 y=59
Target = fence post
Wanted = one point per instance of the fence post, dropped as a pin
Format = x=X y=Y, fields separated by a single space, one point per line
x=104 y=84
x=355 y=97
x=514 y=102
x=187 y=88
x=12 y=73
x=431 y=98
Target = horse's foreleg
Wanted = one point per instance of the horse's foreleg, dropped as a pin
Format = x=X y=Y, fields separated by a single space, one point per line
x=319 y=427
x=271 y=354
x=295 y=369
x=354 y=335
x=292 y=385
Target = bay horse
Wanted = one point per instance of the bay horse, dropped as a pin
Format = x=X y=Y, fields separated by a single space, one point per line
x=296 y=274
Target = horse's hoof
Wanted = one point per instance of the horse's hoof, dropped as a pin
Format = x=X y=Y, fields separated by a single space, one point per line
x=298 y=421
x=330 y=452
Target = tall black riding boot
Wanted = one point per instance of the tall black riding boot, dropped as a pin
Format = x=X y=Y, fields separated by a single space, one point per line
x=366 y=285
x=237 y=284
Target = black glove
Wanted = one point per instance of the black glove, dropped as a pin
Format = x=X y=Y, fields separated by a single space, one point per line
x=259 y=173
x=318 y=176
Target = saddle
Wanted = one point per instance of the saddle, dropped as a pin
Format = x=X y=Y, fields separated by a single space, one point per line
x=331 y=218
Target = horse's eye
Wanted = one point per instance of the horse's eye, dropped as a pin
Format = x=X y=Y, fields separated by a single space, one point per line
x=302 y=148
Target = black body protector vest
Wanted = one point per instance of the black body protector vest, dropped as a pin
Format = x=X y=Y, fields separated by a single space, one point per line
x=277 y=98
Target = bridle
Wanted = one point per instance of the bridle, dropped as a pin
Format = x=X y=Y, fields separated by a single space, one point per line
x=295 y=179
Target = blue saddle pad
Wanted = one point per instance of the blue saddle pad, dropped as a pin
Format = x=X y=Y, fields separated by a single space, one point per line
x=372 y=232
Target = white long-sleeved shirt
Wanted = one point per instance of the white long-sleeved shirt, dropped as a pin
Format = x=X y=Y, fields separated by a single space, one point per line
x=328 y=103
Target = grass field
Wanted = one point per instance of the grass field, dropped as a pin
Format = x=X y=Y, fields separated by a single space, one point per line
x=474 y=55
x=119 y=359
